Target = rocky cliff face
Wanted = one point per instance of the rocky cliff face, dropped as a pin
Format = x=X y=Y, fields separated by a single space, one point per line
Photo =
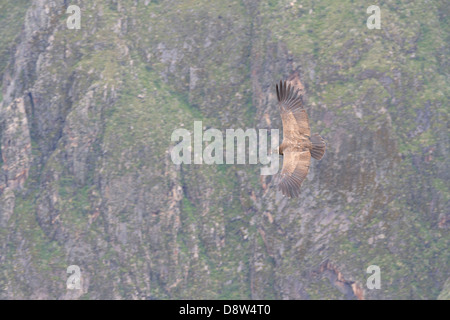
x=86 y=177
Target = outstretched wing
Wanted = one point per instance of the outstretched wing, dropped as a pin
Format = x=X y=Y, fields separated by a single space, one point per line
x=295 y=169
x=293 y=115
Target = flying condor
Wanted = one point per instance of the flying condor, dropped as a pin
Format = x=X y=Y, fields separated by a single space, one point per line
x=298 y=144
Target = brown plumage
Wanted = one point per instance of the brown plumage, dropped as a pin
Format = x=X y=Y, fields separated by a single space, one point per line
x=298 y=145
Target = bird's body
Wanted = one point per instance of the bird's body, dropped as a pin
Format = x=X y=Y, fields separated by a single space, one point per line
x=298 y=145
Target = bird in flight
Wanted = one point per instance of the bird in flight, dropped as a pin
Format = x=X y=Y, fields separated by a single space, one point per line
x=298 y=145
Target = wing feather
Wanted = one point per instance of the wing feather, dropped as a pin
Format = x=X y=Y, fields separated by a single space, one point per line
x=295 y=169
x=293 y=115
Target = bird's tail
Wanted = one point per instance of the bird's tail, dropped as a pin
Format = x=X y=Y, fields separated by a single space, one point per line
x=318 y=146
